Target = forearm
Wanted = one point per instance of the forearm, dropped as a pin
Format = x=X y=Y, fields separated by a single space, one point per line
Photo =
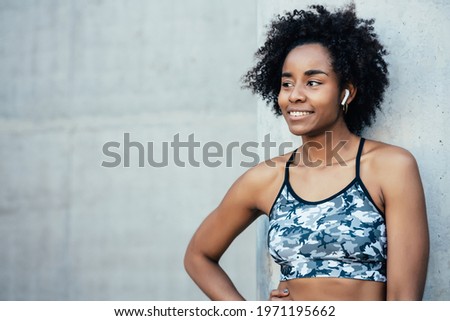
x=408 y=283
x=405 y=295
x=211 y=278
x=407 y=288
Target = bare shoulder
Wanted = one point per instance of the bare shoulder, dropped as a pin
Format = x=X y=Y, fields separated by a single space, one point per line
x=389 y=161
x=387 y=155
x=268 y=170
x=262 y=182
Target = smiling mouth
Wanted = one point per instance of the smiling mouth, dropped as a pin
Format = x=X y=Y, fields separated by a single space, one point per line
x=300 y=113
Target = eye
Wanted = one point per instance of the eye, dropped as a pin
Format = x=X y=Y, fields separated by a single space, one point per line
x=286 y=84
x=313 y=83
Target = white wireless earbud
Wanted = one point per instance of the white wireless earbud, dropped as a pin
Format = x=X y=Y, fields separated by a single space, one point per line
x=347 y=94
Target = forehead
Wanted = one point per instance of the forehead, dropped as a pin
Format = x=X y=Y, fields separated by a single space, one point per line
x=308 y=56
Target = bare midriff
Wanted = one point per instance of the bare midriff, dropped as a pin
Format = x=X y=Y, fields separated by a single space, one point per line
x=333 y=289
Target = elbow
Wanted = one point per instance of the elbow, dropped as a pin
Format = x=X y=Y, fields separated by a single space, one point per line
x=188 y=261
x=196 y=263
x=192 y=261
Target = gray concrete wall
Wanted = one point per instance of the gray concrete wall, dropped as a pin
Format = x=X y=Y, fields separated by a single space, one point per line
x=77 y=74
x=416 y=113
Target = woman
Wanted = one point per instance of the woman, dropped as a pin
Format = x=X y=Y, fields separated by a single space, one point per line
x=347 y=215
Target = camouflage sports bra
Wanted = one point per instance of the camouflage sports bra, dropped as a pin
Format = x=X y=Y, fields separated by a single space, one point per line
x=342 y=236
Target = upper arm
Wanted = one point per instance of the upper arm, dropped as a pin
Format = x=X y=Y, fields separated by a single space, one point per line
x=407 y=228
x=237 y=210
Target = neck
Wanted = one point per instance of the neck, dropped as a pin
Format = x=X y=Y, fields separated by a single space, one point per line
x=327 y=147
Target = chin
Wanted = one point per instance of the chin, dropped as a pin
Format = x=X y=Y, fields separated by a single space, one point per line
x=297 y=132
x=311 y=132
x=300 y=130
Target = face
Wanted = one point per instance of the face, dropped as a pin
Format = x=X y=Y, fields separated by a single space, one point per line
x=309 y=96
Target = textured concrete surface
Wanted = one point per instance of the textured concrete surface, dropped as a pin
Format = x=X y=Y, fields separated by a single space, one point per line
x=415 y=113
x=77 y=74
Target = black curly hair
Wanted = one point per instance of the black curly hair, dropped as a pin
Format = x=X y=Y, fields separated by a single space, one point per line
x=357 y=57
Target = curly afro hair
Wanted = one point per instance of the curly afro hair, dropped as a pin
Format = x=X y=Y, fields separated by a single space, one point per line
x=357 y=57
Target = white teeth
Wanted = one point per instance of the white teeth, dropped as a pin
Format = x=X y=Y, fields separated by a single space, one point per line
x=299 y=113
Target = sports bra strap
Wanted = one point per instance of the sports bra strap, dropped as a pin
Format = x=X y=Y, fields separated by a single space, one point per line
x=358 y=160
x=288 y=163
x=358 y=156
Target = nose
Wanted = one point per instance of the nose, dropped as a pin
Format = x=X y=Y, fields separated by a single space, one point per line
x=297 y=95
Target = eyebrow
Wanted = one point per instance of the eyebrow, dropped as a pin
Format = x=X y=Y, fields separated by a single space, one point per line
x=307 y=73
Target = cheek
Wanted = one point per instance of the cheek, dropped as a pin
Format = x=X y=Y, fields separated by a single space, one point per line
x=282 y=99
x=328 y=102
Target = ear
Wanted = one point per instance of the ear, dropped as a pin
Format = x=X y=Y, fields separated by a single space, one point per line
x=352 y=89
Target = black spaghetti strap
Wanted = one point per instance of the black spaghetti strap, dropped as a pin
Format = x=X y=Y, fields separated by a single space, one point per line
x=358 y=156
x=288 y=163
